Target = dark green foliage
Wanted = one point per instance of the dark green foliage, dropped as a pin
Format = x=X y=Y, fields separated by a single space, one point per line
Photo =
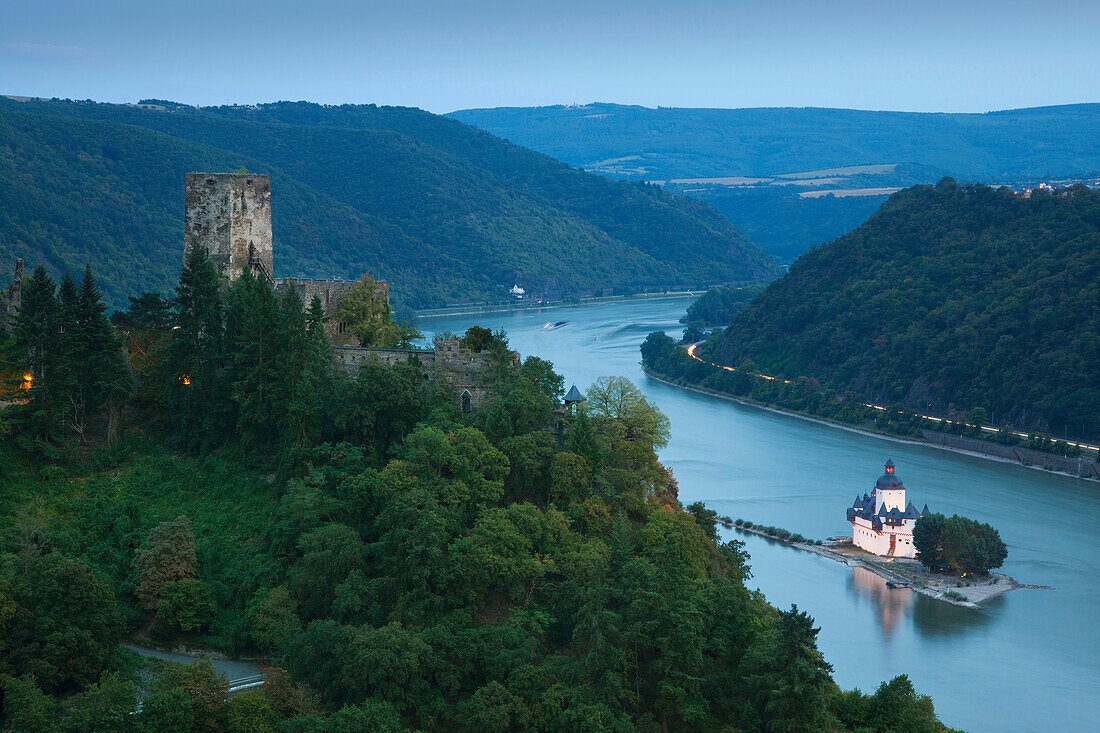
x=185 y=605
x=513 y=568
x=258 y=340
x=949 y=297
x=194 y=369
x=65 y=627
x=958 y=545
x=444 y=212
x=718 y=306
x=150 y=311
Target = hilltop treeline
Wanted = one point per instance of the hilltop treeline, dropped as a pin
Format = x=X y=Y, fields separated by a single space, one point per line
x=444 y=212
x=404 y=565
x=949 y=298
x=671 y=142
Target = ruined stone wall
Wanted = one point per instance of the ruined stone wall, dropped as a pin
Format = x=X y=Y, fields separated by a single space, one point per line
x=230 y=215
x=11 y=300
x=330 y=292
x=351 y=358
x=465 y=371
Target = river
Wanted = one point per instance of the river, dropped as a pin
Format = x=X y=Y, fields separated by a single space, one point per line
x=1027 y=661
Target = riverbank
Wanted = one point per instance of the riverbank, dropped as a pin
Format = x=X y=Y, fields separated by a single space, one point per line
x=523 y=305
x=904 y=572
x=862 y=431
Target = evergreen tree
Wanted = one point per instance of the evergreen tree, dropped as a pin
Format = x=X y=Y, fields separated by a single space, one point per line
x=65 y=379
x=35 y=346
x=102 y=374
x=299 y=378
x=786 y=675
x=197 y=393
x=255 y=336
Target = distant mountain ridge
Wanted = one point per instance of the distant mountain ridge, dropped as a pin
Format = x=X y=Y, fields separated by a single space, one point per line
x=670 y=142
x=446 y=212
x=949 y=297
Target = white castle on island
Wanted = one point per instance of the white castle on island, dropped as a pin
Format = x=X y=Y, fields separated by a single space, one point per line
x=882 y=523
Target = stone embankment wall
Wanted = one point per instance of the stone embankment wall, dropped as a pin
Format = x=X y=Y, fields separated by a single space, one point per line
x=1077 y=466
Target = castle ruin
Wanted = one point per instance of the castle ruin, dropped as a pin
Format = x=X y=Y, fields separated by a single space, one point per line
x=230 y=215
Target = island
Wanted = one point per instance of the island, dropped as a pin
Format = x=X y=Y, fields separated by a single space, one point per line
x=910 y=549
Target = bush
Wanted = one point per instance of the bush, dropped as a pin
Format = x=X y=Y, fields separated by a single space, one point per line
x=186 y=605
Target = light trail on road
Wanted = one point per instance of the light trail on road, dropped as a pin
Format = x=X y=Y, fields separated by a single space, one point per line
x=932 y=418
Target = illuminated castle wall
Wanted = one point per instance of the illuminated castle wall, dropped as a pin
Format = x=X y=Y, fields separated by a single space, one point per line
x=882 y=522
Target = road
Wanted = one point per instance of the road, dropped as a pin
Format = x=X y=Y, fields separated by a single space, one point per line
x=933 y=418
x=232 y=669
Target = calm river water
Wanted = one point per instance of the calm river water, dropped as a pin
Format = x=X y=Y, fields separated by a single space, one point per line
x=1028 y=661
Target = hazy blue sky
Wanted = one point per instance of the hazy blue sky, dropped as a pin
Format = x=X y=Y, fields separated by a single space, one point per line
x=963 y=55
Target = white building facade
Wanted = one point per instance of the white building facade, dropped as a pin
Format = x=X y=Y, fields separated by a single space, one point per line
x=882 y=522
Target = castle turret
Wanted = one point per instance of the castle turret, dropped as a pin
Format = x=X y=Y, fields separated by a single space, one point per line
x=889 y=490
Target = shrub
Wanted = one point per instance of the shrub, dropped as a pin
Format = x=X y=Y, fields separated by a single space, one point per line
x=186 y=605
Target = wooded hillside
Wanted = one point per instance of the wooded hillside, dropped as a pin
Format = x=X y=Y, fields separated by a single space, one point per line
x=671 y=142
x=445 y=212
x=949 y=297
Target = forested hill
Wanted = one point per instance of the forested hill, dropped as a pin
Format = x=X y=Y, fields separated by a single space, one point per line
x=445 y=212
x=949 y=296
x=673 y=142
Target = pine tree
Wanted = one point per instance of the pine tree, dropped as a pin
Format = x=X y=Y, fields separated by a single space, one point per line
x=35 y=345
x=197 y=392
x=255 y=338
x=36 y=323
x=65 y=384
x=298 y=414
x=102 y=372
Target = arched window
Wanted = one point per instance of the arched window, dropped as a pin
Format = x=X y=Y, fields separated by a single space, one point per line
x=465 y=400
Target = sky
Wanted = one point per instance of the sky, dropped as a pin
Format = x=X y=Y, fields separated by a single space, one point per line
x=930 y=55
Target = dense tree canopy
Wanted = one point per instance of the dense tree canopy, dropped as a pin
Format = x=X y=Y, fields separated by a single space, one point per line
x=950 y=297
x=958 y=545
x=403 y=564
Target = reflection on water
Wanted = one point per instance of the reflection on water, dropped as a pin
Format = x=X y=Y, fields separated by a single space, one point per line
x=936 y=619
x=890 y=604
x=931 y=618
x=1023 y=662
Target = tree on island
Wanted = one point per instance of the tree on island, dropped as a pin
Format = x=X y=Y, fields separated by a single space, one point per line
x=958 y=545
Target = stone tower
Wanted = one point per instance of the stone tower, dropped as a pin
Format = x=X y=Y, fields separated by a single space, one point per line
x=230 y=215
